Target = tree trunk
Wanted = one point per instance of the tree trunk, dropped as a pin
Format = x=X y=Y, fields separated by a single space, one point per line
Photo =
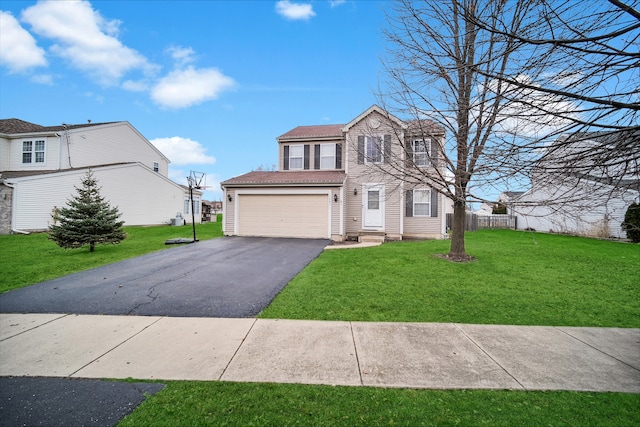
x=92 y=246
x=457 y=251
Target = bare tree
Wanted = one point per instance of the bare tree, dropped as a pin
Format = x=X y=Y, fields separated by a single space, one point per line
x=508 y=81
x=441 y=67
x=576 y=83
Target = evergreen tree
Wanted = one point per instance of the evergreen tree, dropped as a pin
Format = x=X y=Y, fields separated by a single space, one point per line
x=87 y=219
x=631 y=223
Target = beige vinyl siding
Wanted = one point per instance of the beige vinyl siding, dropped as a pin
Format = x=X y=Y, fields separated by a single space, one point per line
x=312 y=156
x=423 y=226
x=229 y=212
x=52 y=154
x=283 y=215
x=112 y=143
x=5 y=145
x=90 y=146
x=359 y=174
x=142 y=196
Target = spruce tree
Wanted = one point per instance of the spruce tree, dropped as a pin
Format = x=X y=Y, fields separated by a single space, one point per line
x=88 y=219
x=631 y=223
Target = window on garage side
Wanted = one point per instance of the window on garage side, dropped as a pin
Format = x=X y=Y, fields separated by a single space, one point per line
x=296 y=157
x=327 y=156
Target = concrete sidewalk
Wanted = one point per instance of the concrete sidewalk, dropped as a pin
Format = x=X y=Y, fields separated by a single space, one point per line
x=414 y=355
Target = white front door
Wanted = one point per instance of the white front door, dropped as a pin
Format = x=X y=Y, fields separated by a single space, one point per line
x=373 y=208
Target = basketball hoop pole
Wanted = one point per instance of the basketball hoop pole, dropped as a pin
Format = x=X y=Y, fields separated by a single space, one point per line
x=195 y=180
x=193 y=214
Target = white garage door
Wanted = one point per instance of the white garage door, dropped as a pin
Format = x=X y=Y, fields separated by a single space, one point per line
x=283 y=215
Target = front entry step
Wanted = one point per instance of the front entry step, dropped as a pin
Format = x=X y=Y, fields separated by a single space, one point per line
x=371 y=236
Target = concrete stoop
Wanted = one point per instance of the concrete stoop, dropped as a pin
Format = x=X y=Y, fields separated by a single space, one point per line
x=371 y=236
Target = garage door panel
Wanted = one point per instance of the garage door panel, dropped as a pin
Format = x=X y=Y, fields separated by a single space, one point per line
x=283 y=215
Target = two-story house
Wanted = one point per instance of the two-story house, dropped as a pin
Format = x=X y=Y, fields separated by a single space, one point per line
x=580 y=188
x=343 y=182
x=41 y=165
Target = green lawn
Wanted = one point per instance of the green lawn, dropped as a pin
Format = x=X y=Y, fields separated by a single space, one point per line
x=233 y=404
x=519 y=278
x=33 y=258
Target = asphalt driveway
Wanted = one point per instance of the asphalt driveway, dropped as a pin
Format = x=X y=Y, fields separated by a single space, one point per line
x=225 y=277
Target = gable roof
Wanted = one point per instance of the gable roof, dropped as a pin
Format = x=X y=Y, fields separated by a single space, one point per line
x=316 y=177
x=17 y=126
x=374 y=108
x=317 y=131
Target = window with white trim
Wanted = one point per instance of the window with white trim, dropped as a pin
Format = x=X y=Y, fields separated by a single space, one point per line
x=421 y=152
x=373 y=149
x=33 y=151
x=421 y=202
x=327 y=156
x=296 y=157
x=196 y=205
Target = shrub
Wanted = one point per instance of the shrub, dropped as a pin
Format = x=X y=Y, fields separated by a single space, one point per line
x=631 y=223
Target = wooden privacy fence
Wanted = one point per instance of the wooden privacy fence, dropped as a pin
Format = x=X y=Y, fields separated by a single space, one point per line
x=476 y=222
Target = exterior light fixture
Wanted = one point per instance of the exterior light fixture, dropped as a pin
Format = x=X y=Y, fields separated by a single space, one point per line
x=355 y=191
x=335 y=197
x=229 y=198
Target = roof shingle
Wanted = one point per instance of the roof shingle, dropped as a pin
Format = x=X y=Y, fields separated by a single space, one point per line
x=287 y=178
x=16 y=126
x=317 y=131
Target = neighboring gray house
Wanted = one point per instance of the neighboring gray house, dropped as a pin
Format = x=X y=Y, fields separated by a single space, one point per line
x=41 y=165
x=329 y=184
x=588 y=195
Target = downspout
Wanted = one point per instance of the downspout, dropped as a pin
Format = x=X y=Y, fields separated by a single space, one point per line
x=13 y=209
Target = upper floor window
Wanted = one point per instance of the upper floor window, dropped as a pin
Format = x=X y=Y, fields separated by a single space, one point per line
x=296 y=157
x=327 y=156
x=373 y=149
x=156 y=166
x=421 y=152
x=33 y=151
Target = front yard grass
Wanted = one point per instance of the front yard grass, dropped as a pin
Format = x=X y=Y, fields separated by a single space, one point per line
x=234 y=404
x=519 y=278
x=29 y=259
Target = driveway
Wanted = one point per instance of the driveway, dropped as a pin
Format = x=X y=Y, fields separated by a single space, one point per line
x=225 y=277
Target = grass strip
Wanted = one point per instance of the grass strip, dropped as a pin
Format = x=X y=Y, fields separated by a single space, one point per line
x=250 y=404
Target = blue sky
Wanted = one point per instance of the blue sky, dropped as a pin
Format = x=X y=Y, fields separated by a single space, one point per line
x=211 y=83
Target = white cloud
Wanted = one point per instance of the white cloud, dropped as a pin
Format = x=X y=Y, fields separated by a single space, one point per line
x=135 y=86
x=18 y=49
x=43 y=79
x=85 y=38
x=295 y=11
x=183 y=151
x=186 y=87
x=535 y=114
x=182 y=55
x=336 y=3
